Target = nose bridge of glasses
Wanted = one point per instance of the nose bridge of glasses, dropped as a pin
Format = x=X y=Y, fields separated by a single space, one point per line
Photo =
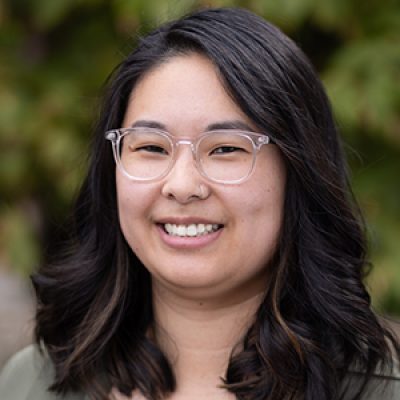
x=187 y=142
x=181 y=156
x=184 y=141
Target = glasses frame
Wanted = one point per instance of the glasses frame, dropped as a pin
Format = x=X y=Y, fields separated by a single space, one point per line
x=116 y=135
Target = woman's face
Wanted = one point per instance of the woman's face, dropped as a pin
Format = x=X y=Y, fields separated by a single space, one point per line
x=186 y=97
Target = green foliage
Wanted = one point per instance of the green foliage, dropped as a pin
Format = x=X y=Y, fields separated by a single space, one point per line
x=55 y=55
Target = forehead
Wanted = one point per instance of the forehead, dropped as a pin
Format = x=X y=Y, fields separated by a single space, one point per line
x=183 y=93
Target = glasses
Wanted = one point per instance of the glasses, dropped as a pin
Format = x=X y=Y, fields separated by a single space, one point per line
x=222 y=156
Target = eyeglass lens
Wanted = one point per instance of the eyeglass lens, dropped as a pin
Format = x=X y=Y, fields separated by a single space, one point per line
x=221 y=156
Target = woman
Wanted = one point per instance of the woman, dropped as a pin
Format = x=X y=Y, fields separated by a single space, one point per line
x=223 y=256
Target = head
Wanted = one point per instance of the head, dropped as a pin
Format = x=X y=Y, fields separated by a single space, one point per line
x=313 y=300
x=274 y=88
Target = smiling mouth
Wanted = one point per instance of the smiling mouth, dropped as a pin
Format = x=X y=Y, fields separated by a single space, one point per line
x=191 y=230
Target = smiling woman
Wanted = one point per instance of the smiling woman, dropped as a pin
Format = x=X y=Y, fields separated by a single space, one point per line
x=217 y=252
x=230 y=215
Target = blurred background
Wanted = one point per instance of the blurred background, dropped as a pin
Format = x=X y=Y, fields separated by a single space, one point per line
x=55 y=56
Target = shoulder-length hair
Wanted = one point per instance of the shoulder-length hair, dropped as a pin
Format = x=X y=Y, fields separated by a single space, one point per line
x=315 y=322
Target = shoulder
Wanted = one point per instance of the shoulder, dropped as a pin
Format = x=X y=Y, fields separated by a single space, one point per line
x=383 y=385
x=27 y=375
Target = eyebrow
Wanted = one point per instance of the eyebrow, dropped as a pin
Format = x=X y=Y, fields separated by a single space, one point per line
x=226 y=125
x=236 y=125
x=142 y=123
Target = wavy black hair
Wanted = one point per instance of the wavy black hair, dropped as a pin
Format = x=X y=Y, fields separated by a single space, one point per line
x=315 y=324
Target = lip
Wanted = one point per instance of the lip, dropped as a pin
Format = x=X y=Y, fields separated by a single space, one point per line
x=189 y=243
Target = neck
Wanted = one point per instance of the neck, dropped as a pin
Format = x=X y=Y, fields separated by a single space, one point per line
x=198 y=338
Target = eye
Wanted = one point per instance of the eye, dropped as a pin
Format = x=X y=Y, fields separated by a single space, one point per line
x=151 y=148
x=226 y=150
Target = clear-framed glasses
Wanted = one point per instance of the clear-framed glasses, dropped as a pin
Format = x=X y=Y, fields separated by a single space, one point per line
x=222 y=156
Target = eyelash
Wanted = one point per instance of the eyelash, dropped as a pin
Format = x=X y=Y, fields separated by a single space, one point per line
x=230 y=148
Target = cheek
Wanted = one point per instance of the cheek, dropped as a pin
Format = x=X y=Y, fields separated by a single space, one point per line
x=263 y=216
x=262 y=210
x=133 y=201
x=264 y=197
x=126 y=201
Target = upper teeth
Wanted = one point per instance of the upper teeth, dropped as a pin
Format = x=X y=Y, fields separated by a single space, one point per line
x=190 y=230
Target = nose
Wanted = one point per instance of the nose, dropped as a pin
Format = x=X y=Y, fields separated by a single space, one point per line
x=184 y=182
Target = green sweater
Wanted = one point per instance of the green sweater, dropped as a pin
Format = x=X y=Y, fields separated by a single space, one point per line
x=28 y=375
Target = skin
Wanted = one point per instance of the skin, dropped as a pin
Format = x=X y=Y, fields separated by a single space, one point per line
x=204 y=297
